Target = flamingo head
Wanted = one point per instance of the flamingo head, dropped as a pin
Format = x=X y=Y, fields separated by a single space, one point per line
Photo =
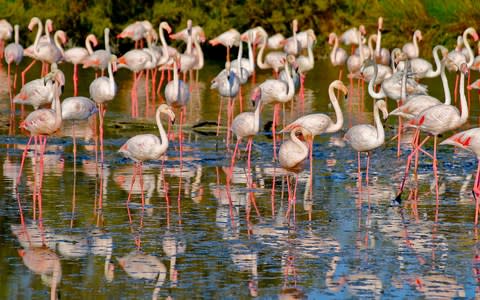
x=21 y=252
x=464 y=68
x=382 y=105
x=362 y=30
x=256 y=95
x=166 y=26
x=34 y=21
x=165 y=109
x=341 y=86
x=331 y=38
x=295 y=25
x=380 y=23
x=49 y=25
x=418 y=34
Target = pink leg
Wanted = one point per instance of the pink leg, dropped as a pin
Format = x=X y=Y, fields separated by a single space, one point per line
x=409 y=159
x=274 y=131
x=100 y=112
x=24 y=72
x=456 y=87
x=24 y=155
x=476 y=193
x=133 y=181
x=219 y=117
x=435 y=175
x=75 y=80
x=368 y=165
x=249 y=146
x=233 y=158
x=359 y=172
x=140 y=168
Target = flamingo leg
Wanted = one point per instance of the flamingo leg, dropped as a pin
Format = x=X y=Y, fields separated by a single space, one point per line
x=359 y=172
x=476 y=193
x=233 y=158
x=24 y=72
x=368 y=165
x=75 y=80
x=24 y=155
x=219 y=117
x=140 y=168
x=274 y=131
x=132 y=183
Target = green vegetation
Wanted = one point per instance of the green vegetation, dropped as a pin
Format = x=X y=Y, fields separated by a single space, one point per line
x=440 y=20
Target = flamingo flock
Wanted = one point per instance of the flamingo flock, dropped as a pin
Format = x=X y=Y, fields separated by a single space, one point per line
x=393 y=75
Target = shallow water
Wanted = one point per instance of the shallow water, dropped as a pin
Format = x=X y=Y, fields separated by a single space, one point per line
x=338 y=242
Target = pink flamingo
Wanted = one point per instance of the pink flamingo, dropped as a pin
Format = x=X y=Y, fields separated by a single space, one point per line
x=291 y=46
x=365 y=137
x=469 y=140
x=136 y=31
x=103 y=89
x=137 y=60
x=411 y=49
x=36 y=92
x=13 y=54
x=276 y=92
x=246 y=125
x=273 y=60
x=338 y=56
x=318 y=123
x=144 y=147
x=291 y=155
x=6 y=30
x=100 y=59
x=228 y=39
x=382 y=55
x=177 y=94
x=349 y=37
x=305 y=64
x=31 y=50
x=76 y=109
x=76 y=56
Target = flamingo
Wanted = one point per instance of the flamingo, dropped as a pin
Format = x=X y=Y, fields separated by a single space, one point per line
x=140 y=265
x=350 y=37
x=38 y=92
x=273 y=60
x=76 y=55
x=469 y=140
x=365 y=137
x=137 y=60
x=246 y=125
x=228 y=39
x=100 y=59
x=306 y=63
x=276 y=92
x=177 y=94
x=338 y=56
x=253 y=37
x=136 y=31
x=49 y=53
x=173 y=246
x=383 y=72
x=102 y=90
x=319 y=123
x=77 y=108
x=411 y=49
x=354 y=61
x=6 y=30
x=31 y=51
x=183 y=34
x=228 y=85
x=291 y=155
x=144 y=147
x=13 y=54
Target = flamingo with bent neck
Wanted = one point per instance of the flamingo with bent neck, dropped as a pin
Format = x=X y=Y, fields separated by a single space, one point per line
x=319 y=123
x=411 y=49
x=338 y=56
x=100 y=59
x=76 y=55
x=144 y=147
x=228 y=39
x=382 y=55
x=273 y=59
x=365 y=137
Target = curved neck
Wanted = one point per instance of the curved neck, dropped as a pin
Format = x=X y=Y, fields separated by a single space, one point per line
x=415 y=44
x=370 y=45
x=56 y=39
x=311 y=59
x=176 y=83
x=436 y=58
x=165 y=56
x=260 y=63
x=338 y=112
x=378 y=124
x=188 y=50
x=463 y=100
x=88 y=43
x=467 y=46
x=403 y=92
x=256 y=114
x=39 y=34
x=48 y=24
x=163 y=135
x=106 y=37
x=299 y=143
